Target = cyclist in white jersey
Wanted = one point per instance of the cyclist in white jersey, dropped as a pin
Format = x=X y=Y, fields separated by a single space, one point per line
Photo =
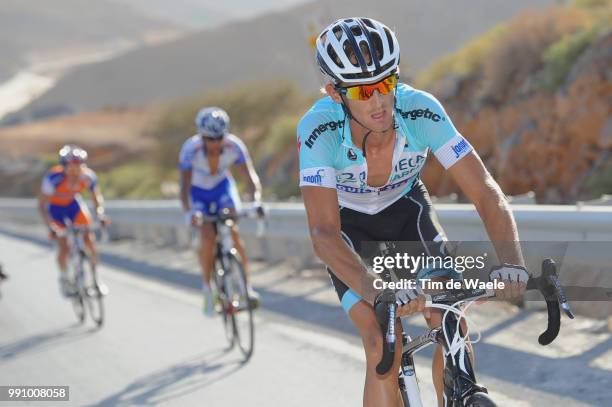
x=361 y=150
x=207 y=187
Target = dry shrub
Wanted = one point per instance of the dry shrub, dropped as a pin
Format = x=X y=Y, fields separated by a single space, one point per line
x=519 y=52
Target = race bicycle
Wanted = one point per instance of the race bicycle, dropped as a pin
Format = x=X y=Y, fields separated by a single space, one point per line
x=233 y=303
x=87 y=292
x=461 y=388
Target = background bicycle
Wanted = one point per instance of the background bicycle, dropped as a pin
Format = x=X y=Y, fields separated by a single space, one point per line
x=87 y=291
x=233 y=303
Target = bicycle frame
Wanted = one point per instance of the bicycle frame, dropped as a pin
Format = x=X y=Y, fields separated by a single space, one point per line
x=459 y=377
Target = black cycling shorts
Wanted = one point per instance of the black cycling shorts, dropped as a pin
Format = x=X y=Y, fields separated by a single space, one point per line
x=411 y=218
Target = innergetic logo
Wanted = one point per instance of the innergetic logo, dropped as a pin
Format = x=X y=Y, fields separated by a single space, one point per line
x=426 y=114
x=314 y=179
x=460 y=148
x=321 y=129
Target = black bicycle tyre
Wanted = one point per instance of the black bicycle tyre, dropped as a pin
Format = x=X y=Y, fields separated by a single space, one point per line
x=480 y=399
x=93 y=296
x=78 y=306
x=245 y=339
x=228 y=323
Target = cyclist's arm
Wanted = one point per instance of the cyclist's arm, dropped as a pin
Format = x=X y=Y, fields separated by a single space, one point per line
x=455 y=153
x=98 y=201
x=324 y=225
x=185 y=185
x=43 y=204
x=492 y=206
x=247 y=173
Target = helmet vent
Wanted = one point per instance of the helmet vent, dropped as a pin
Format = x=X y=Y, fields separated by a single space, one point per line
x=338 y=32
x=368 y=22
x=350 y=53
x=365 y=51
x=332 y=54
x=389 y=40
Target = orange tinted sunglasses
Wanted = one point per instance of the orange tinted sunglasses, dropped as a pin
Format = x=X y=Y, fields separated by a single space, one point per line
x=365 y=92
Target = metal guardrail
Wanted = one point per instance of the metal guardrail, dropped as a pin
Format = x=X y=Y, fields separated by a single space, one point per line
x=553 y=226
x=461 y=221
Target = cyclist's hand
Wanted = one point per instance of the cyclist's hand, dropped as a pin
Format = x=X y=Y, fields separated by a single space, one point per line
x=193 y=218
x=52 y=232
x=410 y=302
x=104 y=220
x=259 y=209
x=514 y=279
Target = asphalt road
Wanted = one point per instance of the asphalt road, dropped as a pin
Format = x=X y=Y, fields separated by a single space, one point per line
x=157 y=349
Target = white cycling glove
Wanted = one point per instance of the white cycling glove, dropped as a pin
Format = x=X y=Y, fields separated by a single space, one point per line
x=403 y=297
x=509 y=272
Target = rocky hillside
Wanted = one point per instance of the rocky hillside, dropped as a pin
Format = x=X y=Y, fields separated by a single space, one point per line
x=34 y=31
x=534 y=96
x=272 y=46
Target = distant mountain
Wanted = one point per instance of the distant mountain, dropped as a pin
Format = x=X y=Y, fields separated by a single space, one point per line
x=206 y=13
x=271 y=46
x=33 y=30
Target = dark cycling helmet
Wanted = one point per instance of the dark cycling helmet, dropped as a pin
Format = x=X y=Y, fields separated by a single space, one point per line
x=72 y=153
x=212 y=122
x=357 y=50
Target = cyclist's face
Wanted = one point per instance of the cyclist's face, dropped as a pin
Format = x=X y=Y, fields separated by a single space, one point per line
x=213 y=146
x=375 y=113
x=74 y=169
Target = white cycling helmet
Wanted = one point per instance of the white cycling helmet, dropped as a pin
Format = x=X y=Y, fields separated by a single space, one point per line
x=212 y=122
x=72 y=153
x=356 y=50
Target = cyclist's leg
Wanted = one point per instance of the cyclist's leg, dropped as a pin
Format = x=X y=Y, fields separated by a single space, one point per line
x=378 y=390
x=58 y=214
x=204 y=201
x=62 y=254
x=230 y=199
x=206 y=252
x=80 y=217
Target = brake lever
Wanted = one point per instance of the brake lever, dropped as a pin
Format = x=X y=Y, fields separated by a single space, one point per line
x=560 y=294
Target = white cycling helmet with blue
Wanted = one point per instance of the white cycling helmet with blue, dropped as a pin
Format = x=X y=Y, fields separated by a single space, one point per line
x=357 y=50
x=212 y=122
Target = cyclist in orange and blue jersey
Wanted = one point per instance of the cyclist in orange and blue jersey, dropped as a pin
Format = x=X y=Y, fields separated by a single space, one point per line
x=60 y=202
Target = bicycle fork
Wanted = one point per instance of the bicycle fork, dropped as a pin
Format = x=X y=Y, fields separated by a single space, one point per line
x=459 y=377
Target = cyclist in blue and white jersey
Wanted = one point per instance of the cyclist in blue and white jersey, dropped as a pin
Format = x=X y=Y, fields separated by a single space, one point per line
x=207 y=187
x=361 y=150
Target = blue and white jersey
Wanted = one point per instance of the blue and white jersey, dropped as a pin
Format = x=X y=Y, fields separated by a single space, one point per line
x=192 y=157
x=328 y=157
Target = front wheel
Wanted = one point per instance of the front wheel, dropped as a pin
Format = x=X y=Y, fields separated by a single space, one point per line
x=79 y=307
x=93 y=295
x=223 y=304
x=480 y=400
x=241 y=306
